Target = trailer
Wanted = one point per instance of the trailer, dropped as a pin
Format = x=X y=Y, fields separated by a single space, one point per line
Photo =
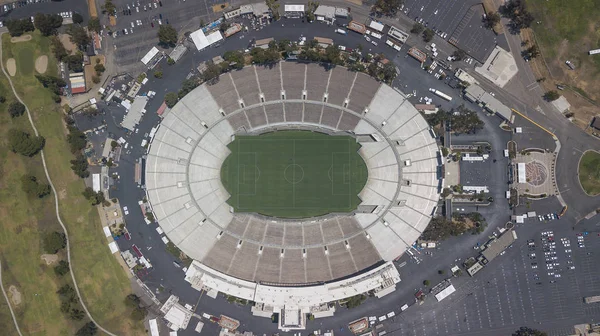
x=441 y=94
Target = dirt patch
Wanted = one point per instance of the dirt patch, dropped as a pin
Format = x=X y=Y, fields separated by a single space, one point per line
x=65 y=39
x=220 y=7
x=579 y=84
x=41 y=64
x=22 y=38
x=62 y=194
x=92 y=8
x=50 y=259
x=14 y=295
x=11 y=67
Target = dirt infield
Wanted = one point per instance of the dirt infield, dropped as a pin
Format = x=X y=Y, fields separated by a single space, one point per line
x=41 y=64
x=22 y=38
x=11 y=67
x=14 y=295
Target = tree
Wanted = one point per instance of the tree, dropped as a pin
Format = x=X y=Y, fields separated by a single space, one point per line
x=417 y=28
x=459 y=54
x=33 y=188
x=58 y=49
x=388 y=72
x=18 y=27
x=108 y=7
x=77 y=18
x=2 y=99
x=77 y=314
x=526 y=331
x=99 y=68
x=139 y=313
x=355 y=301
x=23 y=143
x=94 y=25
x=158 y=74
x=551 y=95
x=441 y=271
x=224 y=26
x=132 y=300
x=426 y=282
x=88 y=329
x=187 y=86
x=428 y=35
x=167 y=35
x=79 y=36
x=80 y=166
x=491 y=20
x=16 y=109
x=171 y=99
x=517 y=11
x=532 y=52
x=95 y=198
x=332 y=55
x=47 y=24
x=76 y=139
x=54 y=241
x=386 y=7
x=62 y=268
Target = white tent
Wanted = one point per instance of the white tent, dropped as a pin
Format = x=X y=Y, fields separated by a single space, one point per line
x=202 y=41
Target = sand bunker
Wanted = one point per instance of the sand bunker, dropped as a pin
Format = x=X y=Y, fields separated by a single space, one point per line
x=50 y=259
x=21 y=38
x=11 y=67
x=41 y=64
x=14 y=295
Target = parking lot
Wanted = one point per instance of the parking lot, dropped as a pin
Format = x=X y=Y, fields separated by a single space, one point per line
x=146 y=17
x=28 y=8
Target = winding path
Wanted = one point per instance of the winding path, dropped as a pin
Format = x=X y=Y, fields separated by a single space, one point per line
x=55 y=201
x=6 y=297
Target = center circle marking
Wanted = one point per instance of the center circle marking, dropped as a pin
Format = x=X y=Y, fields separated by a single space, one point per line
x=293 y=173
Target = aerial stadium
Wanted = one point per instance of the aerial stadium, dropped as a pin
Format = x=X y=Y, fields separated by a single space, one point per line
x=293 y=186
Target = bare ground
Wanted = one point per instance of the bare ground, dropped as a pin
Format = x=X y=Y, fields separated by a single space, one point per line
x=14 y=295
x=66 y=41
x=41 y=64
x=21 y=38
x=11 y=67
x=50 y=259
x=583 y=79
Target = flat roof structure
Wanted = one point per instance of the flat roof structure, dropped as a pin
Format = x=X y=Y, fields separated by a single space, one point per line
x=202 y=41
x=178 y=52
x=135 y=112
x=357 y=27
x=444 y=293
x=496 y=246
x=500 y=67
x=149 y=55
x=240 y=254
x=378 y=26
x=477 y=94
x=263 y=43
x=293 y=8
x=327 y=12
x=398 y=34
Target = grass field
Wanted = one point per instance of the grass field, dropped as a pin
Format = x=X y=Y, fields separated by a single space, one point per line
x=567 y=31
x=589 y=172
x=101 y=280
x=294 y=174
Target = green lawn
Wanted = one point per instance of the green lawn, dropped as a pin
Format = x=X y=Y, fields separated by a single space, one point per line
x=294 y=174
x=589 y=172
x=102 y=282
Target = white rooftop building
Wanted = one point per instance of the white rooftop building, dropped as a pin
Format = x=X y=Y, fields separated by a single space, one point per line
x=135 y=112
x=177 y=316
x=202 y=41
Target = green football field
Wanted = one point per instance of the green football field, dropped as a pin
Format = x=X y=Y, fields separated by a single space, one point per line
x=294 y=174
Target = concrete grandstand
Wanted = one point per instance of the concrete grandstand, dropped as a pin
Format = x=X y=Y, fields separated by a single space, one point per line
x=250 y=256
